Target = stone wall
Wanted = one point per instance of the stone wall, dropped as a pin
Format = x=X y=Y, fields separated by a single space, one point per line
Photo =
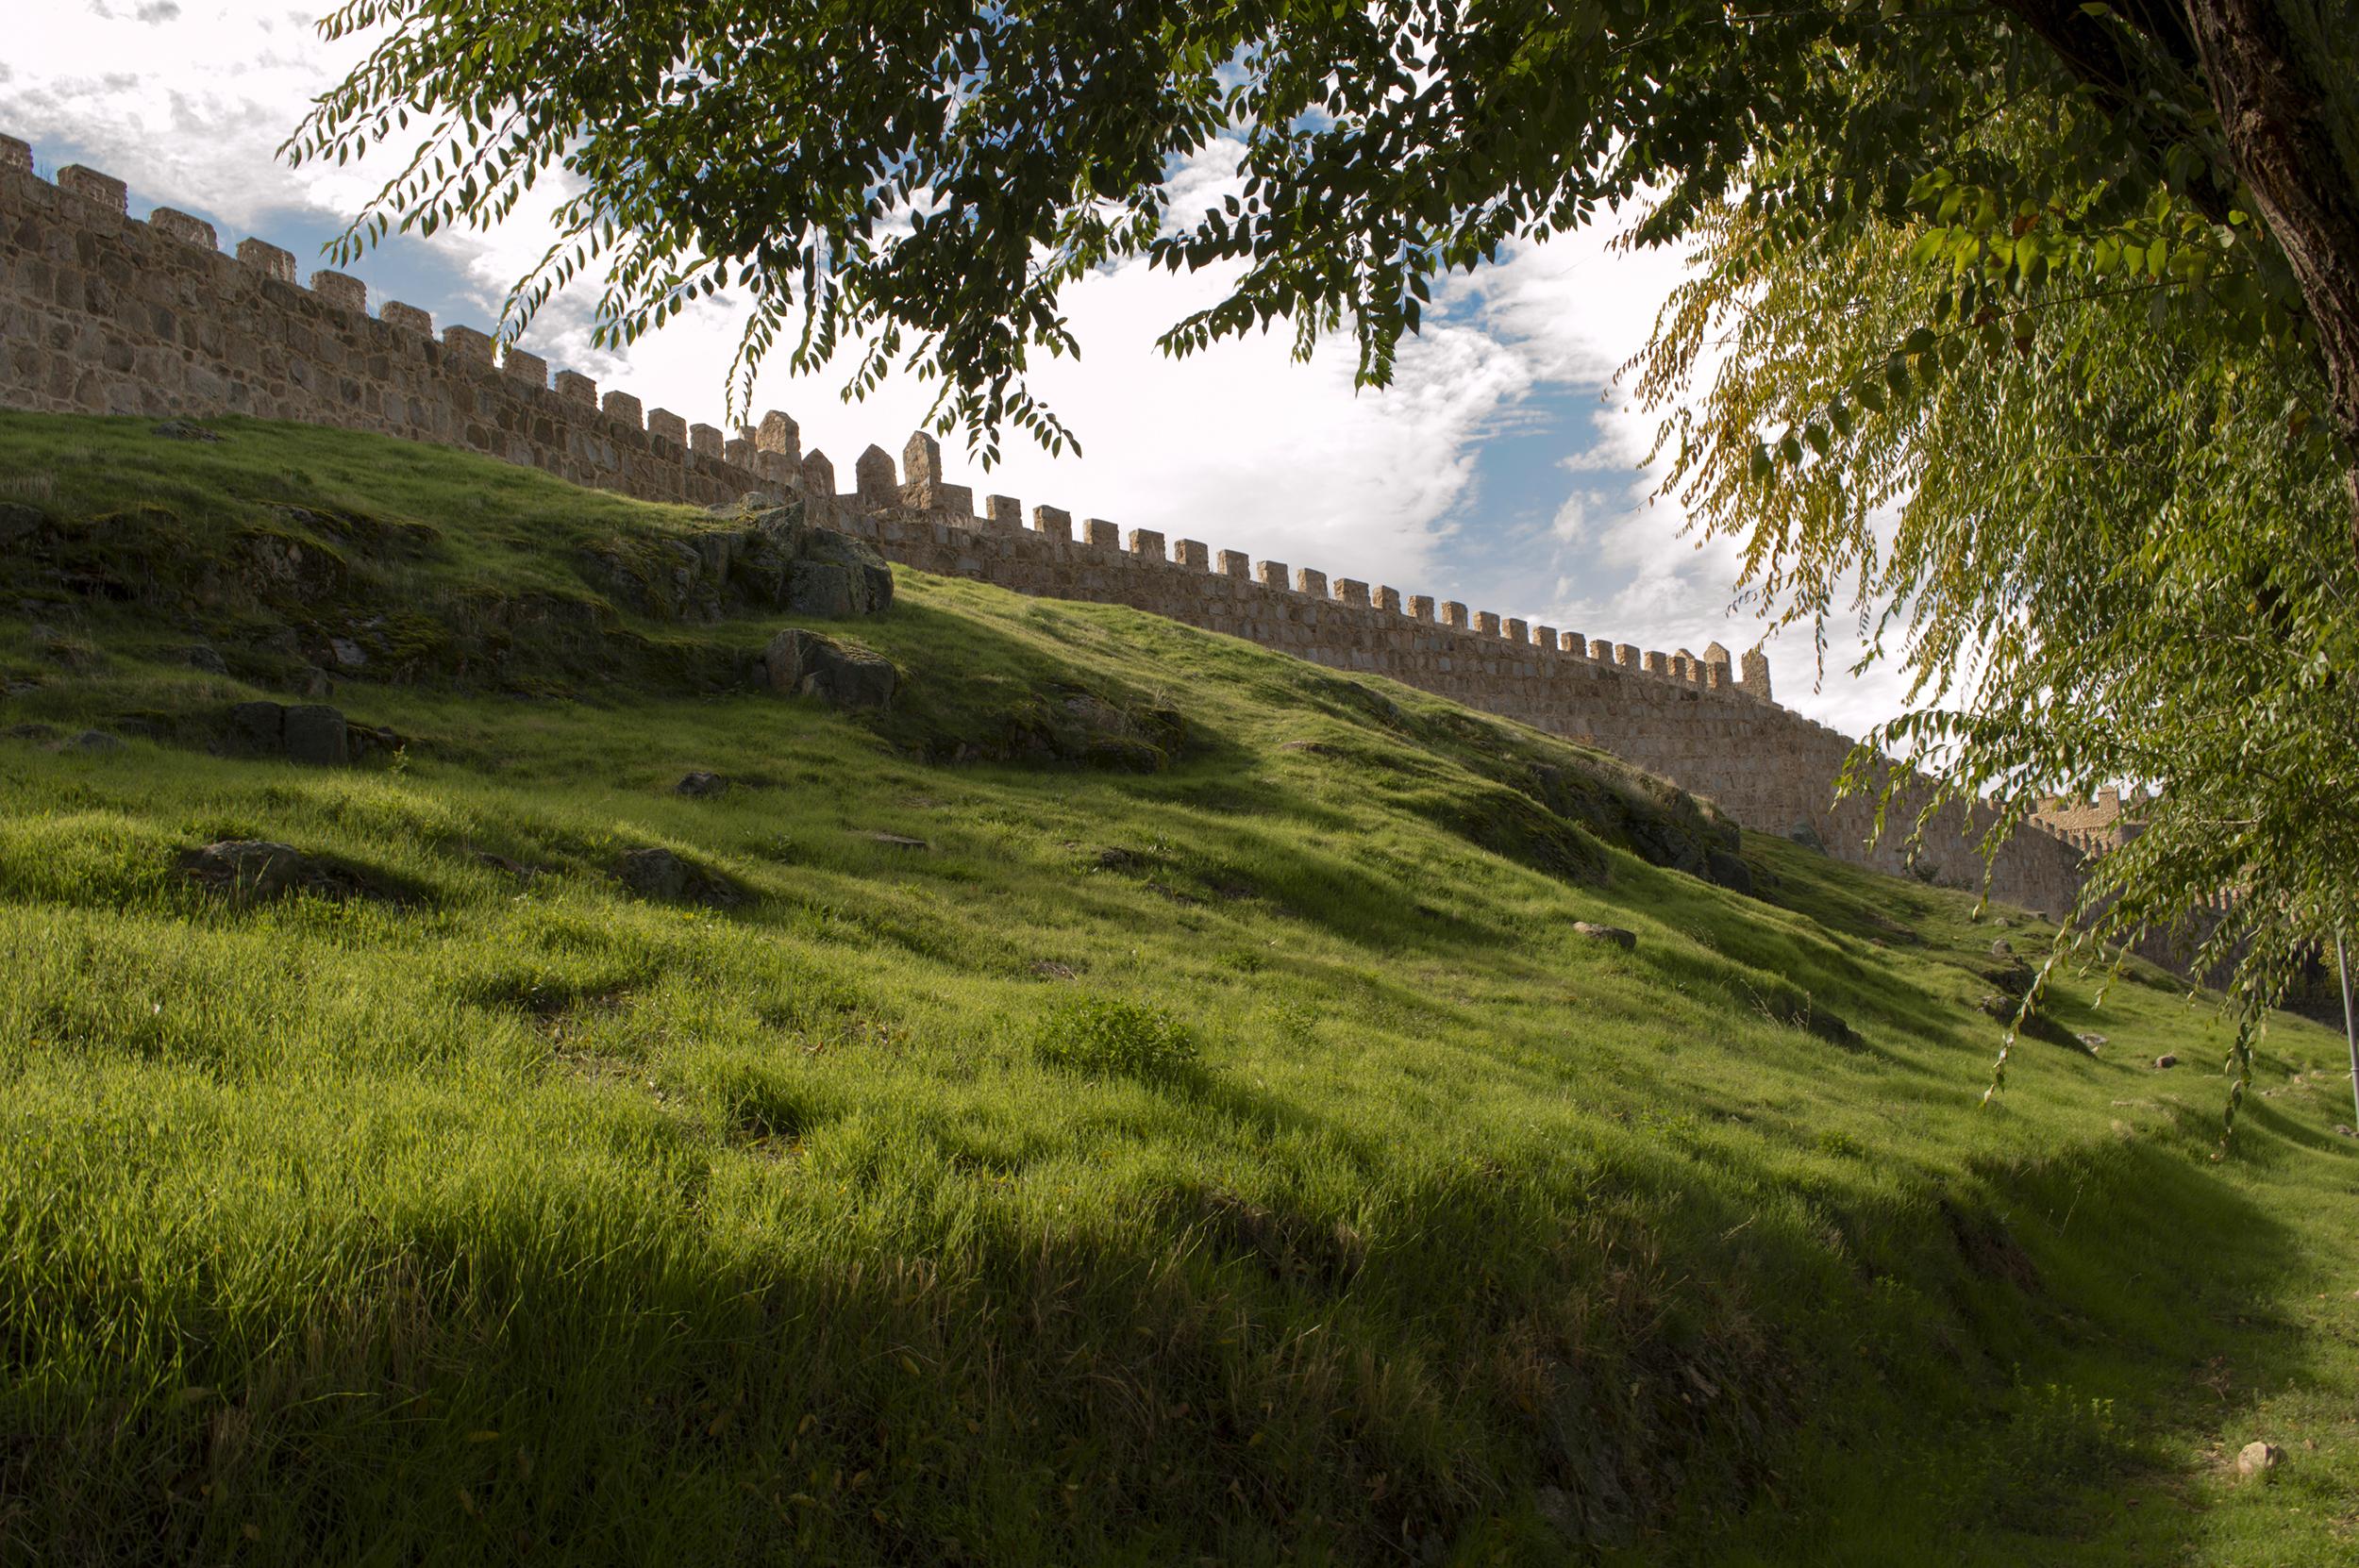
x=100 y=313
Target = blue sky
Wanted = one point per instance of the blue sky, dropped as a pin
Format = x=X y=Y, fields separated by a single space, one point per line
x=1502 y=468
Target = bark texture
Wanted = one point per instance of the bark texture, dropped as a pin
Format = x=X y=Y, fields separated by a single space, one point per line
x=2274 y=82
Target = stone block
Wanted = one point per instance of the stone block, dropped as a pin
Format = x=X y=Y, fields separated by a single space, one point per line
x=574 y=387
x=921 y=459
x=1518 y=632
x=1055 y=522
x=1272 y=573
x=407 y=317
x=1421 y=606
x=1454 y=614
x=1626 y=655
x=1310 y=583
x=738 y=451
x=103 y=189
x=1486 y=622
x=665 y=423
x=777 y=433
x=705 y=440
x=1147 y=542
x=465 y=343
x=1351 y=590
x=186 y=227
x=1193 y=554
x=1544 y=637
x=1005 y=511
x=268 y=259
x=341 y=289
x=873 y=478
x=1235 y=564
x=1658 y=665
x=818 y=474
x=1388 y=600
x=16 y=157
x=1100 y=534
x=1602 y=650
x=1574 y=643
x=1756 y=674
x=528 y=369
x=777 y=467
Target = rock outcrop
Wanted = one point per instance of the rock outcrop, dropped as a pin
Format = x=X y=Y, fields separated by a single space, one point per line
x=310 y=732
x=774 y=559
x=807 y=665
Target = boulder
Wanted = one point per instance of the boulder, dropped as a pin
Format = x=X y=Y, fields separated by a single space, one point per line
x=698 y=785
x=205 y=658
x=181 y=429
x=2258 y=1458
x=1805 y=834
x=2166 y=1060
x=654 y=872
x=250 y=868
x=257 y=728
x=1620 y=938
x=657 y=872
x=807 y=665
x=317 y=734
x=365 y=743
x=95 y=741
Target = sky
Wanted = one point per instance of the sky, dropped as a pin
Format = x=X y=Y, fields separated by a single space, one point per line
x=1503 y=467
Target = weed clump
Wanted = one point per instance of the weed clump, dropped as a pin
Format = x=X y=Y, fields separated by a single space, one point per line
x=1108 y=1036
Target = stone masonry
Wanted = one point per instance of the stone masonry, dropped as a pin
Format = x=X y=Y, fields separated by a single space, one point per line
x=102 y=313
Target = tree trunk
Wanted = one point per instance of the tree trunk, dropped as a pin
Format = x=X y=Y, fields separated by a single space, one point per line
x=2274 y=90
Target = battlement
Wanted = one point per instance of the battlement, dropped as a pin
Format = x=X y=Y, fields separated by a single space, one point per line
x=104 y=313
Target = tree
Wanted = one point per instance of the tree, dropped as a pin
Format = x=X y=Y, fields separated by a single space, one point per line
x=2100 y=259
x=930 y=174
x=2086 y=525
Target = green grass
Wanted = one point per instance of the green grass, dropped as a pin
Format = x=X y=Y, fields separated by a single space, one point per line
x=1241 y=1161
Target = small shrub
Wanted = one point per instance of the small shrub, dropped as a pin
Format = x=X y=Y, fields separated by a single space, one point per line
x=1105 y=1036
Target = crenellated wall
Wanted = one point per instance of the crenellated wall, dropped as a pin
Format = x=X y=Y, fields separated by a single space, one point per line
x=100 y=313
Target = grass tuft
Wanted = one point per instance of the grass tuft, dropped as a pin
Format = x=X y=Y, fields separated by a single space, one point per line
x=1112 y=1037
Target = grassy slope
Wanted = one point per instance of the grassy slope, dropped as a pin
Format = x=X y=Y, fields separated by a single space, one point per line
x=522 y=1215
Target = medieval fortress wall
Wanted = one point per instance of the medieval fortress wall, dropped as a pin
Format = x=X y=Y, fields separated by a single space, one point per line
x=102 y=313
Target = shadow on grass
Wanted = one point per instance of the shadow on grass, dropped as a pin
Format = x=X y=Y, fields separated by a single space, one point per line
x=1481 y=1358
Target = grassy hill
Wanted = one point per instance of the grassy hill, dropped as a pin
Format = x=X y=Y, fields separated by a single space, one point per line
x=1189 y=1128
